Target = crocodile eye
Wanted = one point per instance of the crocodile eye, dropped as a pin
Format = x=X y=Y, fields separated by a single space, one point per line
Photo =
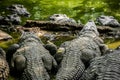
x=57 y=15
x=8 y=17
x=102 y=17
x=12 y=7
x=111 y=17
x=21 y=6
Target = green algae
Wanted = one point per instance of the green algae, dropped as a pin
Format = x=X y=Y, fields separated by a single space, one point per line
x=113 y=45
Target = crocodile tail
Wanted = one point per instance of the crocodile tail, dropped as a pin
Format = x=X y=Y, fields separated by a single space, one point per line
x=71 y=68
x=79 y=72
x=75 y=74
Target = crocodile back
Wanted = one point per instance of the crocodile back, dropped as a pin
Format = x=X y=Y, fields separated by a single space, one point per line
x=89 y=49
x=104 y=68
x=79 y=50
x=35 y=69
x=35 y=64
x=30 y=56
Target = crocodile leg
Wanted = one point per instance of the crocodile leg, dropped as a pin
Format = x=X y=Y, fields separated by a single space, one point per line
x=51 y=47
x=2 y=52
x=103 y=47
x=88 y=74
x=61 y=51
x=18 y=62
x=59 y=55
x=11 y=50
x=49 y=61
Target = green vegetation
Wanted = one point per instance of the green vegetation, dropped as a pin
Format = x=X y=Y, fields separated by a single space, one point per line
x=78 y=9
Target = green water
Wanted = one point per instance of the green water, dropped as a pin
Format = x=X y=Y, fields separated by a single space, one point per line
x=78 y=9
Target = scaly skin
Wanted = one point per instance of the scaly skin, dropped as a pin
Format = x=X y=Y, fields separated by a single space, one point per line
x=62 y=18
x=4 y=67
x=31 y=60
x=106 y=67
x=79 y=52
x=19 y=10
x=108 y=21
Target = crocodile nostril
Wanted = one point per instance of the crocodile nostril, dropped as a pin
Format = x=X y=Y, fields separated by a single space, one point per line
x=27 y=15
x=52 y=19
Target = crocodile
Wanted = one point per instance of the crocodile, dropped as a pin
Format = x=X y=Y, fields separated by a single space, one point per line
x=78 y=52
x=10 y=21
x=18 y=9
x=106 y=67
x=108 y=21
x=62 y=18
x=31 y=60
x=4 y=68
x=13 y=19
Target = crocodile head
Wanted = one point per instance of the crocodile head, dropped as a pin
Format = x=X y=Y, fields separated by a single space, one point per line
x=61 y=18
x=89 y=29
x=19 y=9
x=108 y=21
x=29 y=36
x=14 y=19
x=56 y=17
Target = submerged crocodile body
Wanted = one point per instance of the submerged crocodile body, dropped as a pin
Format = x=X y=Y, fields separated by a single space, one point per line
x=78 y=53
x=31 y=60
x=4 y=68
x=106 y=67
